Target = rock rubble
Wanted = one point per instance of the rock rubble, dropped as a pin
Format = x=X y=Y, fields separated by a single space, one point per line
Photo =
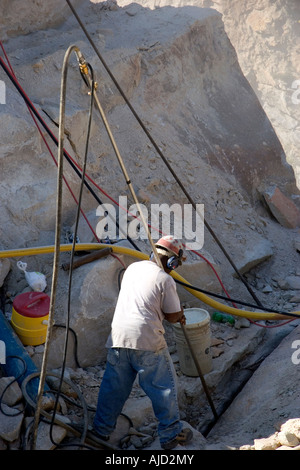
x=287 y=438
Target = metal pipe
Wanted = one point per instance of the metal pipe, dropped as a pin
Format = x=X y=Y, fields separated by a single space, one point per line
x=195 y=359
x=57 y=244
x=123 y=168
x=157 y=259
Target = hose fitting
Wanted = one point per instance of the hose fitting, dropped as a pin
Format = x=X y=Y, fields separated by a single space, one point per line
x=81 y=62
x=83 y=68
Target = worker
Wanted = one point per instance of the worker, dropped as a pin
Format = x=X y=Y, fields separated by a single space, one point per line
x=137 y=345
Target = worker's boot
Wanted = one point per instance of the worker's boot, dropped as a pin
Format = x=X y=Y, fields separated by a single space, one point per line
x=182 y=438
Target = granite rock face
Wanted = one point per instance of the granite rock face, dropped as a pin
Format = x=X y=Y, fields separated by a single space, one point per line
x=264 y=34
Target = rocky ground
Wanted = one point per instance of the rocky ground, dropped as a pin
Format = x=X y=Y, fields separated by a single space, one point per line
x=254 y=381
x=254 y=385
x=254 y=388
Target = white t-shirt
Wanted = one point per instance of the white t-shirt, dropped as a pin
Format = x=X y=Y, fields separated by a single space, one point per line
x=147 y=292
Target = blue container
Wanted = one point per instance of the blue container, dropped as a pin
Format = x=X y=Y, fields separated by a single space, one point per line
x=15 y=358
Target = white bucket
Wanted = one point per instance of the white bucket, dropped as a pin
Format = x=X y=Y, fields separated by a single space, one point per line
x=198 y=332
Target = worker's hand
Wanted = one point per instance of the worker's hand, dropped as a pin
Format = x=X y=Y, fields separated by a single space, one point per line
x=175 y=317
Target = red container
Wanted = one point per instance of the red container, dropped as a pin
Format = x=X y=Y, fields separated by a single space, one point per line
x=32 y=304
x=30 y=317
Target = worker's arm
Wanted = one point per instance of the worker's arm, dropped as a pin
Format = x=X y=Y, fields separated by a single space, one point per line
x=175 y=317
x=170 y=303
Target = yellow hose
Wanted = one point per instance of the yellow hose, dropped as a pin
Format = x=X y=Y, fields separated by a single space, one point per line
x=142 y=256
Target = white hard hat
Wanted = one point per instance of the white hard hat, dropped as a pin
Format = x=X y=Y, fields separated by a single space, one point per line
x=170 y=244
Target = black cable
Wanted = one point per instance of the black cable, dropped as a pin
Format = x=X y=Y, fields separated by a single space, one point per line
x=68 y=399
x=2 y=307
x=10 y=383
x=235 y=301
x=70 y=428
x=27 y=101
x=75 y=341
x=128 y=418
x=121 y=272
x=73 y=247
x=160 y=153
x=54 y=139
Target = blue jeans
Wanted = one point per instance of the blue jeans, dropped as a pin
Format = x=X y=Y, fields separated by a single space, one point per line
x=156 y=377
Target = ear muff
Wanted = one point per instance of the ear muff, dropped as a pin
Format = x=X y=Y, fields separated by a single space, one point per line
x=173 y=262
